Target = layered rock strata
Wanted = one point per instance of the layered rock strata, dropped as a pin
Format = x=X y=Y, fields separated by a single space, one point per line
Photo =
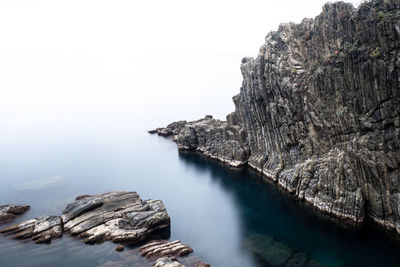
x=160 y=253
x=318 y=112
x=167 y=262
x=159 y=249
x=9 y=212
x=41 y=230
x=121 y=217
x=213 y=138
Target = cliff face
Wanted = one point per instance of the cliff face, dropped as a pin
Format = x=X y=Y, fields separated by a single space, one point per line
x=318 y=112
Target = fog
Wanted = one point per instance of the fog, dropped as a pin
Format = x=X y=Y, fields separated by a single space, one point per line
x=95 y=66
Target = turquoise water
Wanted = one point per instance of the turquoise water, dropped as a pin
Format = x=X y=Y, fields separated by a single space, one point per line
x=213 y=208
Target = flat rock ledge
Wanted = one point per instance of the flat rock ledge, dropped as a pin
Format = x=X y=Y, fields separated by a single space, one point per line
x=121 y=217
x=9 y=212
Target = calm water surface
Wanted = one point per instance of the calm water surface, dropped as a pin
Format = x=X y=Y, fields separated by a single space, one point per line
x=213 y=208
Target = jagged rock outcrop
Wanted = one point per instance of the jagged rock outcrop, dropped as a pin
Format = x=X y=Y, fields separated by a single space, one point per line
x=172 y=129
x=117 y=216
x=318 y=112
x=213 y=138
x=9 y=212
x=41 y=230
x=121 y=217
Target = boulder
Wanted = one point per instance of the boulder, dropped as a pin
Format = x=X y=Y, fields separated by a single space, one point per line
x=9 y=212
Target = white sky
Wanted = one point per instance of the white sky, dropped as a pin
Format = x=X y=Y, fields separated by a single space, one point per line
x=86 y=64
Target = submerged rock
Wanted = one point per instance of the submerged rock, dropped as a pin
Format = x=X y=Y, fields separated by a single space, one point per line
x=41 y=230
x=319 y=112
x=298 y=260
x=9 y=212
x=274 y=253
x=271 y=252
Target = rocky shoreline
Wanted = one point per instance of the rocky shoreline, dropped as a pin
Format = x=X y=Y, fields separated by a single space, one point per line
x=119 y=216
x=318 y=113
x=211 y=138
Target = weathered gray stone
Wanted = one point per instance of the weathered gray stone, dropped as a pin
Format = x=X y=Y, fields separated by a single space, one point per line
x=167 y=262
x=9 y=212
x=166 y=254
x=159 y=249
x=318 y=112
x=121 y=217
x=213 y=138
x=172 y=129
x=159 y=253
x=41 y=230
x=79 y=207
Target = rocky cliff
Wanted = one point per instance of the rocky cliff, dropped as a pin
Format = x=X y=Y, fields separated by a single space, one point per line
x=318 y=112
